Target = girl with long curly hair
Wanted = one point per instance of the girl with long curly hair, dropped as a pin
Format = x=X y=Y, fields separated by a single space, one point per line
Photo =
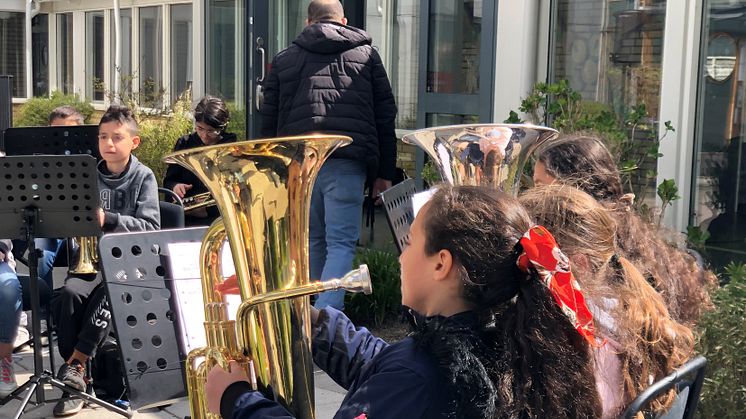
x=585 y=163
x=644 y=343
x=500 y=328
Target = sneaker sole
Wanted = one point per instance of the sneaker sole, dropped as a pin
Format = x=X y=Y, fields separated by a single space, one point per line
x=69 y=412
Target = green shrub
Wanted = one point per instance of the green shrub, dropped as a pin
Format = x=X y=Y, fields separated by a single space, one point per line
x=237 y=123
x=722 y=339
x=158 y=135
x=385 y=302
x=35 y=112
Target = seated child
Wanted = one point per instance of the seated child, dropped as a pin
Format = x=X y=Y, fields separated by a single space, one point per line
x=10 y=316
x=644 y=343
x=490 y=339
x=129 y=202
x=585 y=163
x=211 y=118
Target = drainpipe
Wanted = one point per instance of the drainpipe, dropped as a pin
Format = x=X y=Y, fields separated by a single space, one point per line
x=117 y=51
x=32 y=9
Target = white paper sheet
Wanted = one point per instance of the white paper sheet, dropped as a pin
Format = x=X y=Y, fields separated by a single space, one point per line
x=187 y=291
x=420 y=199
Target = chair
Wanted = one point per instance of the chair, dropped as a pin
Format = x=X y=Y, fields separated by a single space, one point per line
x=172 y=213
x=687 y=381
x=397 y=201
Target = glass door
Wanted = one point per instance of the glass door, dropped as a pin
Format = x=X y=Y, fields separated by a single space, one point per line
x=719 y=184
x=456 y=64
x=274 y=24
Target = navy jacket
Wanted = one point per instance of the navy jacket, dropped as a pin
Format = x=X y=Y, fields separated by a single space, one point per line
x=331 y=80
x=382 y=380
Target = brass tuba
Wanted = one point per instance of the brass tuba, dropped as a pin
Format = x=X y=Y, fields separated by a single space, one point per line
x=484 y=154
x=200 y=200
x=87 y=257
x=262 y=189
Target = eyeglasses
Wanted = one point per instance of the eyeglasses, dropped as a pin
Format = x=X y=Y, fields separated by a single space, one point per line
x=209 y=132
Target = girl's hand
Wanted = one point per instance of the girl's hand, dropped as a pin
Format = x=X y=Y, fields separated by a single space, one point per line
x=218 y=380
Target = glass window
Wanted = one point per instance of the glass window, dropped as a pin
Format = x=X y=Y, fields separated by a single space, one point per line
x=444 y=119
x=719 y=183
x=181 y=49
x=225 y=57
x=394 y=27
x=151 y=53
x=40 y=54
x=125 y=65
x=12 y=53
x=610 y=52
x=454 y=36
x=94 y=59
x=65 y=52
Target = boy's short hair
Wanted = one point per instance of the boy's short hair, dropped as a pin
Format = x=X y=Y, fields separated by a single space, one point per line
x=123 y=115
x=67 y=112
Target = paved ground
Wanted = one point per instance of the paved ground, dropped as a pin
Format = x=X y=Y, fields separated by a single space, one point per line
x=328 y=397
x=328 y=394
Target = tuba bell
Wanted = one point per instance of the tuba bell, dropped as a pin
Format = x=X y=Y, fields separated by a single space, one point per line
x=262 y=189
x=491 y=155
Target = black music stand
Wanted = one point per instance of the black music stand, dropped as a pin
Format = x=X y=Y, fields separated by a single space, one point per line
x=137 y=276
x=48 y=196
x=60 y=140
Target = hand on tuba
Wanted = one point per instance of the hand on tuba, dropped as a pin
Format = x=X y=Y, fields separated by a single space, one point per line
x=218 y=380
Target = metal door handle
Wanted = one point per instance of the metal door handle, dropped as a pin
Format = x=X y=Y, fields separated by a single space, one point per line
x=263 y=60
x=259 y=97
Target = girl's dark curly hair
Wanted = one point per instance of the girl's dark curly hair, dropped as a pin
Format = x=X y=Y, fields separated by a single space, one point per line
x=521 y=358
x=585 y=163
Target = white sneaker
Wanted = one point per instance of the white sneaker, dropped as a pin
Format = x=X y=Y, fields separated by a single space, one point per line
x=22 y=337
x=7 y=377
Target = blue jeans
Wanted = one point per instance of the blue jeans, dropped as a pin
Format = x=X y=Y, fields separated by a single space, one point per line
x=10 y=303
x=334 y=224
x=50 y=249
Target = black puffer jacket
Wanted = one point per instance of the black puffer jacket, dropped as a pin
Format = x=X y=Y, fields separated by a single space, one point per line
x=331 y=80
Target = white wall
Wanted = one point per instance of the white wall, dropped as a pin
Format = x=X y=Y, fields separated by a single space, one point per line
x=680 y=65
x=522 y=45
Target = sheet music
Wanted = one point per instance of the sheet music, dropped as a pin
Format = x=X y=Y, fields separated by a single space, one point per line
x=420 y=199
x=187 y=291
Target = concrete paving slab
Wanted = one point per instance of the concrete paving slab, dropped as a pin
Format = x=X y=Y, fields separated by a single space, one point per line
x=328 y=396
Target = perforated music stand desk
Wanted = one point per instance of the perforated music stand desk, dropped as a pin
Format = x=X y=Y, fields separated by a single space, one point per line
x=47 y=196
x=137 y=274
x=60 y=140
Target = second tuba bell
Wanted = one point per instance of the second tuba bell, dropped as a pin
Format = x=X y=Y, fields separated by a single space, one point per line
x=491 y=155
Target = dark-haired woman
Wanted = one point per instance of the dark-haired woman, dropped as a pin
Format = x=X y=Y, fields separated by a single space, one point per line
x=210 y=121
x=490 y=340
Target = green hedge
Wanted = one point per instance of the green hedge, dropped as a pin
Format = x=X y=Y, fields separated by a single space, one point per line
x=35 y=112
x=722 y=340
x=158 y=134
x=384 y=304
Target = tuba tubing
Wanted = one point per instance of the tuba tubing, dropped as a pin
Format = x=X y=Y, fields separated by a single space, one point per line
x=262 y=189
x=87 y=257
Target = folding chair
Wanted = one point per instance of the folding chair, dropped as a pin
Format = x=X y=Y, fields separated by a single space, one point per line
x=397 y=201
x=687 y=381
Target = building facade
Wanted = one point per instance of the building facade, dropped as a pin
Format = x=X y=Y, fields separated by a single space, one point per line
x=449 y=61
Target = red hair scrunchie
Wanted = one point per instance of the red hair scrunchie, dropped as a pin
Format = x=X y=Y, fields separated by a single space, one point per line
x=540 y=252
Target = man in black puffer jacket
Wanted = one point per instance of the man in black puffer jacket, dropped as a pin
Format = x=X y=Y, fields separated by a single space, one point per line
x=331 y=80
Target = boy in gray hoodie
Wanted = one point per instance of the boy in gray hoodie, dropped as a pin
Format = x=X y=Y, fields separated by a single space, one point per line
x=129 y=202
